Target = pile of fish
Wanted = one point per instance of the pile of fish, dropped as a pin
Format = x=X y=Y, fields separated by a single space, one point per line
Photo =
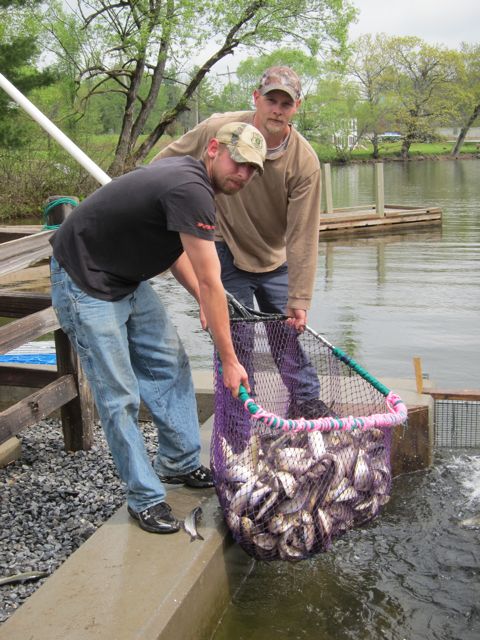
x=288 y=495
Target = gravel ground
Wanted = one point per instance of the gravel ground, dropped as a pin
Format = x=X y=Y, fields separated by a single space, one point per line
x=51 y=502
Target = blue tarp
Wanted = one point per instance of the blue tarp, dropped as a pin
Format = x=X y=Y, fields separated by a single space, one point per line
x=30 y=358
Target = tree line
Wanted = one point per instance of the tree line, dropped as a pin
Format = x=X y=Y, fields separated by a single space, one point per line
x=138 y=69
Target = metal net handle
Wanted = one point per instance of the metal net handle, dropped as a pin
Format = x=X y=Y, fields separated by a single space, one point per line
x=397 y=410
x=396 y=416
x=241 y=313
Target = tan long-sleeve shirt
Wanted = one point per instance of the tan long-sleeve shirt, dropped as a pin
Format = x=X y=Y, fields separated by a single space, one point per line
x=276 y=217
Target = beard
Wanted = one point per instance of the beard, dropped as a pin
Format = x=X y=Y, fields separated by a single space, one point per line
x=228 y=186
x=274 y=127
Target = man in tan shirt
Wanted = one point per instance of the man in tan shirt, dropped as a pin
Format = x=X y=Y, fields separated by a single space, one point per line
x=267 y=234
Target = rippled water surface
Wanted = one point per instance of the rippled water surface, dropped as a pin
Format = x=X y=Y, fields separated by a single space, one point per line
x=387 y=298
x=412 y=574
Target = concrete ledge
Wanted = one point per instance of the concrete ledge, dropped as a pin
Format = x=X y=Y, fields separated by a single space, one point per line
x=124 y=583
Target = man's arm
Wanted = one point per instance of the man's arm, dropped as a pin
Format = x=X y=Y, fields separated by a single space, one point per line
x=183 y=272
x=204 y=260
x=303 y=223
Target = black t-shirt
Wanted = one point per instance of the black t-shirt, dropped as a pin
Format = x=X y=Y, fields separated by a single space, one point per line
x=128 y=230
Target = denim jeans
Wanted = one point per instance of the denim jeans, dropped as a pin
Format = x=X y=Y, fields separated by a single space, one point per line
x=129 y=350
x=270 y=290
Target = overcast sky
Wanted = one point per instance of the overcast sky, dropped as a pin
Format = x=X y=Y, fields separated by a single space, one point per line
x=447 y=22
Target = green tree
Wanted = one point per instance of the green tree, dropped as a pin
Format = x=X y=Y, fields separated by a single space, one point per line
x=469 y=91
x=370 y=66
x=135 y=42
x=423 y=87
x=19 y=53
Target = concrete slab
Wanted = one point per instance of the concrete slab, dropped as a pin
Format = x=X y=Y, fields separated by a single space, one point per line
x=125 y=583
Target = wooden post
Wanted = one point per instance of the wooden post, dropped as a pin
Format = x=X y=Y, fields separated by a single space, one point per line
x=379 y=190
x=417 y=364
x=78 y=414
x=57 y=214
x=327 y=179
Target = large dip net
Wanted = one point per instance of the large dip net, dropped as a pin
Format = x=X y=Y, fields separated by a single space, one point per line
x=305 y=456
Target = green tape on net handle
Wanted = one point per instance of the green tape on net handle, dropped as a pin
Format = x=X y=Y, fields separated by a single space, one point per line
x=341 y=355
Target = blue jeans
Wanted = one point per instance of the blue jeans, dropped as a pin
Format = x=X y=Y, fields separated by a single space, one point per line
x=129 y=350
x=270 y=290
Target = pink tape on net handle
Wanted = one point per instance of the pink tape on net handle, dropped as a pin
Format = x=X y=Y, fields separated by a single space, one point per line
x=396 y=416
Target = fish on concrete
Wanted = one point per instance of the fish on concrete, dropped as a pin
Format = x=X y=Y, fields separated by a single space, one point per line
x=471 y=523
x=190 y=524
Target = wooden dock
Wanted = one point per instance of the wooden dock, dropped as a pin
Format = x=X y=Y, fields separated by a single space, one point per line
x=352 y=220
x=366 y=220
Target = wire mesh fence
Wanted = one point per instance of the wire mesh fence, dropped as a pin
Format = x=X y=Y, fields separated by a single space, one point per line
x=457 y=423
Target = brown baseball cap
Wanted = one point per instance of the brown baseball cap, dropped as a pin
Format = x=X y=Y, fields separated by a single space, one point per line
x=244 y=142
x=281 y=79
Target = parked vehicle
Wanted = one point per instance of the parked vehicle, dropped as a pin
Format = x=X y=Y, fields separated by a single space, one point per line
x=390 y=136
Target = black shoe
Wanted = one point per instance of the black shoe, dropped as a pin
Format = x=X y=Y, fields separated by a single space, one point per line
x=201 y=478
x=156 y=519
x=310 y=410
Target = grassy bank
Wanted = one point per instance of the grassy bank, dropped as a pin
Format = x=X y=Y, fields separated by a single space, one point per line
x=391 y=151
x=29 y=176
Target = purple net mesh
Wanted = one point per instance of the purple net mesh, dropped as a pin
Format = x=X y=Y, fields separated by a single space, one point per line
x=286 y=494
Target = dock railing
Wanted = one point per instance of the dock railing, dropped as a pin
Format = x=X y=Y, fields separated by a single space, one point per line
x=63 y=389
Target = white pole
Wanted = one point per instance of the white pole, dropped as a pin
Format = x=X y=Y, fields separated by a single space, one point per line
x=88 y=164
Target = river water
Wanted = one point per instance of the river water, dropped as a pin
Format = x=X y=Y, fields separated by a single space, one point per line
x=414 y=572
x=387 y=298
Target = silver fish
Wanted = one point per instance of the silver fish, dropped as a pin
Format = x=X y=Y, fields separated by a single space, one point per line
x=291 y=505
x=258 y=494
x=281 y=523
x=471 y=523
x=362 y=475
x=349 y=495
x=337 y=490
x=23 y=577
x=308 y=530
x=316 y=444
x=287 y=482
x=268 y=504
x=250 y=455
x=287 y=547
x=293 y=460
x=233 y=521
x=191 y=522
x=242 y=496
x=237 y=473
x=324 y=522
x=265 y=541
x=247 y=527
x=227 y=451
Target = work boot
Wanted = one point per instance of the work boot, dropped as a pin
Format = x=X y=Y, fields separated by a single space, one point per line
x=156 y=519
x=201 y=478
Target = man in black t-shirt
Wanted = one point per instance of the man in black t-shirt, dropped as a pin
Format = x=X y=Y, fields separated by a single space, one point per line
x=158 y=217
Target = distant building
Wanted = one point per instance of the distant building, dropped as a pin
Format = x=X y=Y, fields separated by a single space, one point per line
x=451 y=133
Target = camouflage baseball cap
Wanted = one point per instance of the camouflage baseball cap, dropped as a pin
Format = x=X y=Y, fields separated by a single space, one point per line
x=244 y=142
x=281 y=79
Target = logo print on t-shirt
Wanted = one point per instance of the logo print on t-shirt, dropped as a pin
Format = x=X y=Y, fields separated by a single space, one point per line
x=207 y=227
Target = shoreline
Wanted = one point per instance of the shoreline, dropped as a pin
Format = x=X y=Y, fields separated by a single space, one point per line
x=415 y=158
